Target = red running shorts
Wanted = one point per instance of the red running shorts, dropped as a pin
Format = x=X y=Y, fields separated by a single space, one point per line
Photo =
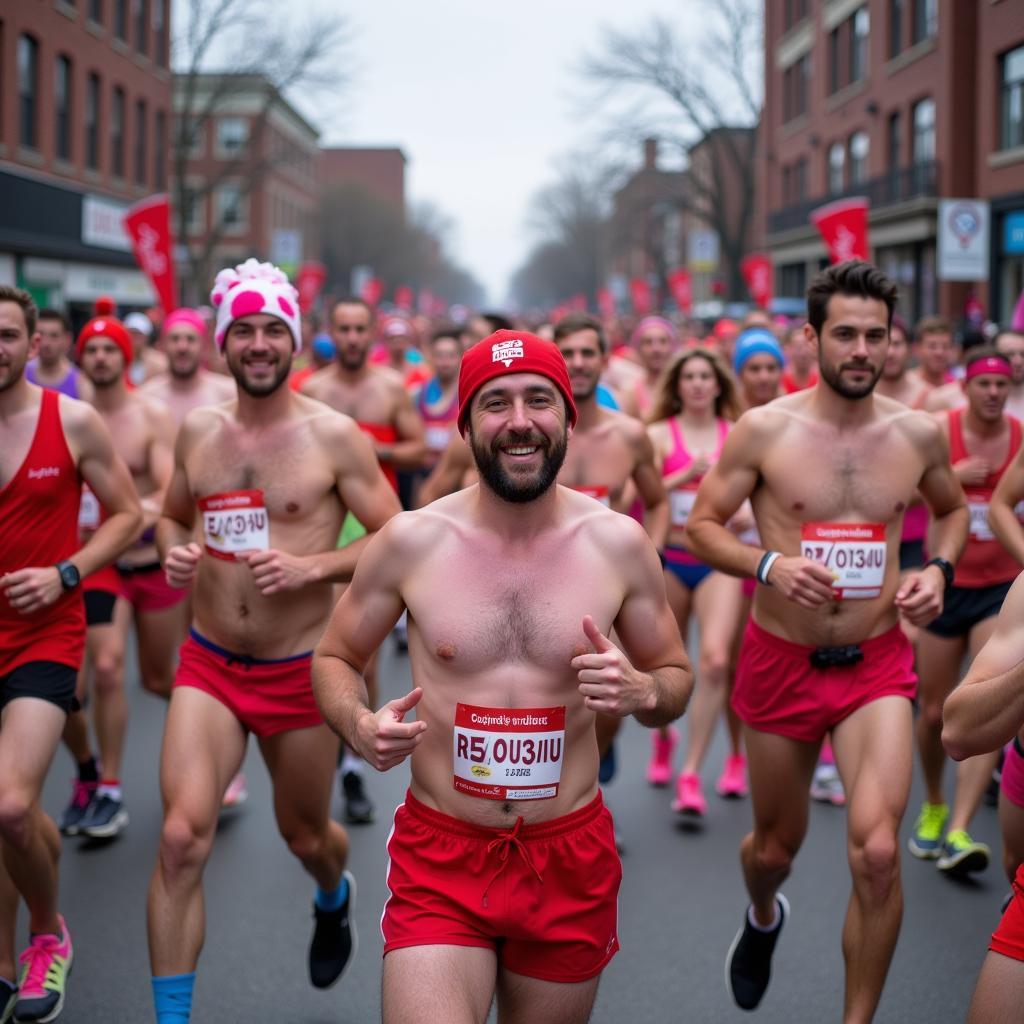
x=1008 y=938
x=544 y=897
x=778 y=691
x=267 y=697
x=147 y=589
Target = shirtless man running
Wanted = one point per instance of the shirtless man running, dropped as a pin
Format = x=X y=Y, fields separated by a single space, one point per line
x=272 y=474
x=829 y=472
x=503 y=866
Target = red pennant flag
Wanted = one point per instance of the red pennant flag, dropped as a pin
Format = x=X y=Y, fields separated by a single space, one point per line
x=578 y=303
x=605 y=302
x=310 y=280
x=373 y=289
x=844 y=227
x=148 y=224
x=757 y=272
x=403 y=297
x=680 y=284
x=640 y=293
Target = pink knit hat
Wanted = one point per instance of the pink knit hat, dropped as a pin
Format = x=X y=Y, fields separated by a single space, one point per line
x=185 y=316
x=254 y=287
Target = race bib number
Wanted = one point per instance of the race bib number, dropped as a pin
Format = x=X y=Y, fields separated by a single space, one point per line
x=88 y=511
x=681 y=504
x=234 y=522
x=437 y=438
x=855 y=552
x=980 y=530
x=600 y=493
x=508 y=753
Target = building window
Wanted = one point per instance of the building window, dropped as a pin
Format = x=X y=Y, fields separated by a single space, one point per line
x=232 y=135
x=159 y=24
x=896 y=13
x=859 y=27
x=923 y=143
x=859 y=146
x=895 y=140
x=139 y=16
x=96 y=11
x=926 y=20
x=121 y=19
x=834 y=78
x=191 y=137
x=62 y=108
x=160 y=151
x=141 y=120
x=230 y=210
x=794 y=11
x=795 y=88
x=92 y=121
x=836 y=168
x=28 y=89
x=1011 y=101
x=117 y=133
x=800 y=179
x=195 y=206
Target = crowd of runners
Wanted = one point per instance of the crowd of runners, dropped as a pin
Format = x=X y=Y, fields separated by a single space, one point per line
x=832 y=506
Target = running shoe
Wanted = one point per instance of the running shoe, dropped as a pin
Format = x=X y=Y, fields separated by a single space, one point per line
x=961 y=855
x=105 y=819
x=82 y=794
x=689 y=800
x=659 y=769
x=926 y=840
x=46 y=966
x=826 y=786
x=334 y=940
x=8 y=997
x=236 y=794
x=748 y=964
x=732 y=783
x=359 y=809
x=606 y=766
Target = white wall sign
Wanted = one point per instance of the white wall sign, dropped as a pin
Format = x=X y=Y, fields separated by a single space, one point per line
x=963 y=240
x=103 y=224
x=703 y=250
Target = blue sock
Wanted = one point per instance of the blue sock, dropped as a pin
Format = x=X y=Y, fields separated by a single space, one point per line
x=332 y=899
x=172 y=997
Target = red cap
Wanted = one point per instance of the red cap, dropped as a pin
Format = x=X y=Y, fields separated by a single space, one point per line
x=106 y=327
x=506 y=352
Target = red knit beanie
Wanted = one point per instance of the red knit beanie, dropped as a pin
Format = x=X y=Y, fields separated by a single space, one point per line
x=106 y=327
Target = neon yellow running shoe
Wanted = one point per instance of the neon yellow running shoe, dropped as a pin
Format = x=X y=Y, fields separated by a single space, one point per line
x=926 y=841
x=961 y=855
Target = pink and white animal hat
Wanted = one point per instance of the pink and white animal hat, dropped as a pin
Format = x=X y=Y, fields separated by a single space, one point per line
x=254 y=287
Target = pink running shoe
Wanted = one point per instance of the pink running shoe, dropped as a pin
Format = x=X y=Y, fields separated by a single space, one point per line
x=236 y=794
x=659 y=769
x=689 y=799
x=46 y=965
x=732 y=783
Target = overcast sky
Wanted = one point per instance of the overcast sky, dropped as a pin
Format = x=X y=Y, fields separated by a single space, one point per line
x=482 y=98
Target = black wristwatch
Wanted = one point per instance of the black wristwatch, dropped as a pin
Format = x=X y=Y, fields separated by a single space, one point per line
x=946 y=568
x=70 y=577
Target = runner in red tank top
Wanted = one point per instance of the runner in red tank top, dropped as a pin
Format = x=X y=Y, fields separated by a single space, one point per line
x=983 y=441
x=50 y=443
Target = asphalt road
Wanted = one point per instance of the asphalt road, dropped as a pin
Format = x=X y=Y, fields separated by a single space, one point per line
x=680 y=905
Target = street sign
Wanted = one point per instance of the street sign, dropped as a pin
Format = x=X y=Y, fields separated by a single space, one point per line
x=963 y=240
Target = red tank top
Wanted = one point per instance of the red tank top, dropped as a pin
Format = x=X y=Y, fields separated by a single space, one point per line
x=39 y=513
x=985 y=562
x=386 y=434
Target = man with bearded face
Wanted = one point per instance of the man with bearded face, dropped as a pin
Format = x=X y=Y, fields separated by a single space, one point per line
x=503 y=871
x=829 y=472
x=275 y=473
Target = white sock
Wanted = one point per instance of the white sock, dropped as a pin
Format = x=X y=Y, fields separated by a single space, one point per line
x=114 y=792
x=351 y=763
x=761 y=927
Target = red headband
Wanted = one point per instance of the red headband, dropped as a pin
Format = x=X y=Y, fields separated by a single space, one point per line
x=106 y=327
x=506 y=352
x=990 y=364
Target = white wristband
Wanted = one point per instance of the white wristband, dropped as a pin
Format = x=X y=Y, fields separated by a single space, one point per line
x=765 y=567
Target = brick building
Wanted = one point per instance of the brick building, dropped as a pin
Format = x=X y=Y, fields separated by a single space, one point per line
x=85 y=97
x=380 y=171
x=904 y=101
x=245 y=180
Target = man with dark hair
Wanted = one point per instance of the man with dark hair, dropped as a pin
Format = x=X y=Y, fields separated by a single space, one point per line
x=935 y=349
x=503 y=871
x=52 y=368
x=51 y=443
x=829 y=472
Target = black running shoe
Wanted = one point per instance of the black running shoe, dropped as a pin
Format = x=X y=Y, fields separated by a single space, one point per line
x=334 y=940
x=748 y=964
x=359 y=809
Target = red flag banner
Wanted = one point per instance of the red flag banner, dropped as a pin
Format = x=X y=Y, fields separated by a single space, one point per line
x=757 y=273
x=310 y=280
x=605 y=302
x=403 y=297
x=640 y=293
x=844 y=228
x=373 y=289
x=148 y=224
x=680 y=284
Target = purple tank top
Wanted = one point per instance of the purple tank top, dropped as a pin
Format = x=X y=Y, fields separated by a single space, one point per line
x=68 y=386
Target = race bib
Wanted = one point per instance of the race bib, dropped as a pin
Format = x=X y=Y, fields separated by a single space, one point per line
x=233 y=522
x=437 y=438
x=600 y=493
x=88 y=511
x=855 y=552
x=980 y=530
x=508 y=753
x=681 y=504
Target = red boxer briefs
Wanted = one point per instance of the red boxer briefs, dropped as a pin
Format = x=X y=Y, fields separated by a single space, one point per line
x=543 y=896
x=1008 y=938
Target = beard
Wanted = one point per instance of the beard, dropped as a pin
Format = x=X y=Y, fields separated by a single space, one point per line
x=182 y=370
x=833 y=376
x=514 y=489
x=350 y=360
x=104 y=377
x=582 y=392
x=260 y=390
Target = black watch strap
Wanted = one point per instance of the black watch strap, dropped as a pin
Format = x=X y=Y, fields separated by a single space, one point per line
x=946 y=568
x=69 y=575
